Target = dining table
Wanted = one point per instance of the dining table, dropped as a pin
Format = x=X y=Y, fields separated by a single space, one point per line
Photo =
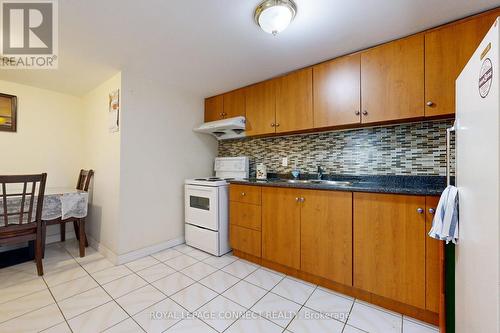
x=61 y=202
x=58 y=202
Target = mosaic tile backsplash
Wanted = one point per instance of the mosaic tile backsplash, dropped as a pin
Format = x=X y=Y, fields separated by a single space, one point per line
x=407 y=149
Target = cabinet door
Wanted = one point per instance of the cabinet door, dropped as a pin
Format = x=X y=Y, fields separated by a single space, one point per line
x=433 y=269
x=392 y=81
x=294 y=111
x=245 y=240
x=214 y=108
x=245 y=194
x=337 y=92
x=447 y=51
x=261 y=108
x=389 y=246
x=281 y=226
x=326 y=235
x=234 y=103
x=245 y=215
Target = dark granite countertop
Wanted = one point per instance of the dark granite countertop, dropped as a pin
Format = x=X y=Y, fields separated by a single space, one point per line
x=414 y=185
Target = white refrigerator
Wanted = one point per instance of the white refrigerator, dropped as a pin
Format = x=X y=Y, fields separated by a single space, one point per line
x=477 y=256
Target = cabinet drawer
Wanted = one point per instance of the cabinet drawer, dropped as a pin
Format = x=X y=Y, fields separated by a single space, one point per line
x=245 y=215
x=245 y=194
x=245 y=240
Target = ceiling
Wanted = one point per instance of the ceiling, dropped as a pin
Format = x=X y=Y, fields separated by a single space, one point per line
x=211 y=46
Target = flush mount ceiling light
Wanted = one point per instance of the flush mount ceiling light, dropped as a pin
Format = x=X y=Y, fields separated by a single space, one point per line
x=273 y=16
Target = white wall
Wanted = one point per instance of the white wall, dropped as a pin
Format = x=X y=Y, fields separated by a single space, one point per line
x=158 y=151
x=137 y=196
x=48 y=138
x=101 y=151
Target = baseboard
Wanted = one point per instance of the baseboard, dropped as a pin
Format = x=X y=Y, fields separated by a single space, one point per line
x=133 y=255
x=137 y=254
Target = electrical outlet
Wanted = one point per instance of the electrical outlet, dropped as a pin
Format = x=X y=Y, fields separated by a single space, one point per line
x=284 y=161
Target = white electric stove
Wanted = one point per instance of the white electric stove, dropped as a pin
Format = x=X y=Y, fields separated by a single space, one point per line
x=207 y=204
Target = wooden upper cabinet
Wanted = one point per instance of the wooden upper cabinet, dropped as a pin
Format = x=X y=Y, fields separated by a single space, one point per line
x=214 y=108
x=294 y=101
x=337 y=92
x=326 y=235
x=261 y=108
x=389 y=246
x=281 y=226
x=433 y=265
x=447 y=51
x=392 y=81
x=234 y=103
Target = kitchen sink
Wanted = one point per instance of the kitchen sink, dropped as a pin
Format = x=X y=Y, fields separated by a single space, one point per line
x=316 y=181
x=294 y=181
x=330 y=182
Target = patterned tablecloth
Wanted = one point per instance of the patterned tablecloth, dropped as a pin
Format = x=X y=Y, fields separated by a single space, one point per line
x=58 y=202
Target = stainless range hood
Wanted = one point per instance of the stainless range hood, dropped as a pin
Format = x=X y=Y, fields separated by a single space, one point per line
x=230 y=128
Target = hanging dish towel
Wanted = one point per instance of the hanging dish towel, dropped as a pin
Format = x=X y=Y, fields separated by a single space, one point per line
x=445 y=223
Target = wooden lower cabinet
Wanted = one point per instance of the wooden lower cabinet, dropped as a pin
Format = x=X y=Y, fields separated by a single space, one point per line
x=326 y=235
x=281 y=226
x=245 y=240
x=245 y=219
x=389 y=246
x=433 y=265
x=370 y=246
x=245 y=215
x=245 y=194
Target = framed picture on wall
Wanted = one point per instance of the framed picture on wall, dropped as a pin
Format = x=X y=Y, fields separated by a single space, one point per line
x=8 y=113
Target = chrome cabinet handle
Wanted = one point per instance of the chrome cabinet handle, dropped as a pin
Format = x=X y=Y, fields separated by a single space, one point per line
x=430 y=103
x=420 y=210
x=302 y=199
x=243 y=194
x=273 y=124
x=297 y=199
x=365 y=112
x=357 y=113
x=432 y=211
x=277 y=125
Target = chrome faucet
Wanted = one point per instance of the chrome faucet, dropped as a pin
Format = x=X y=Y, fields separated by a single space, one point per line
x=320 y=172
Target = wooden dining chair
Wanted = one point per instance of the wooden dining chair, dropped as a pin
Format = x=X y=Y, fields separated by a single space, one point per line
x=21 y=212
x=83 y=184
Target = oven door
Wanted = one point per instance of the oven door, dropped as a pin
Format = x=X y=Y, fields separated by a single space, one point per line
x=201 y=205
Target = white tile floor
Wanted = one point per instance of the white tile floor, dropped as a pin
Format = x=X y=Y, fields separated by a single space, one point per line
x=177 y=290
